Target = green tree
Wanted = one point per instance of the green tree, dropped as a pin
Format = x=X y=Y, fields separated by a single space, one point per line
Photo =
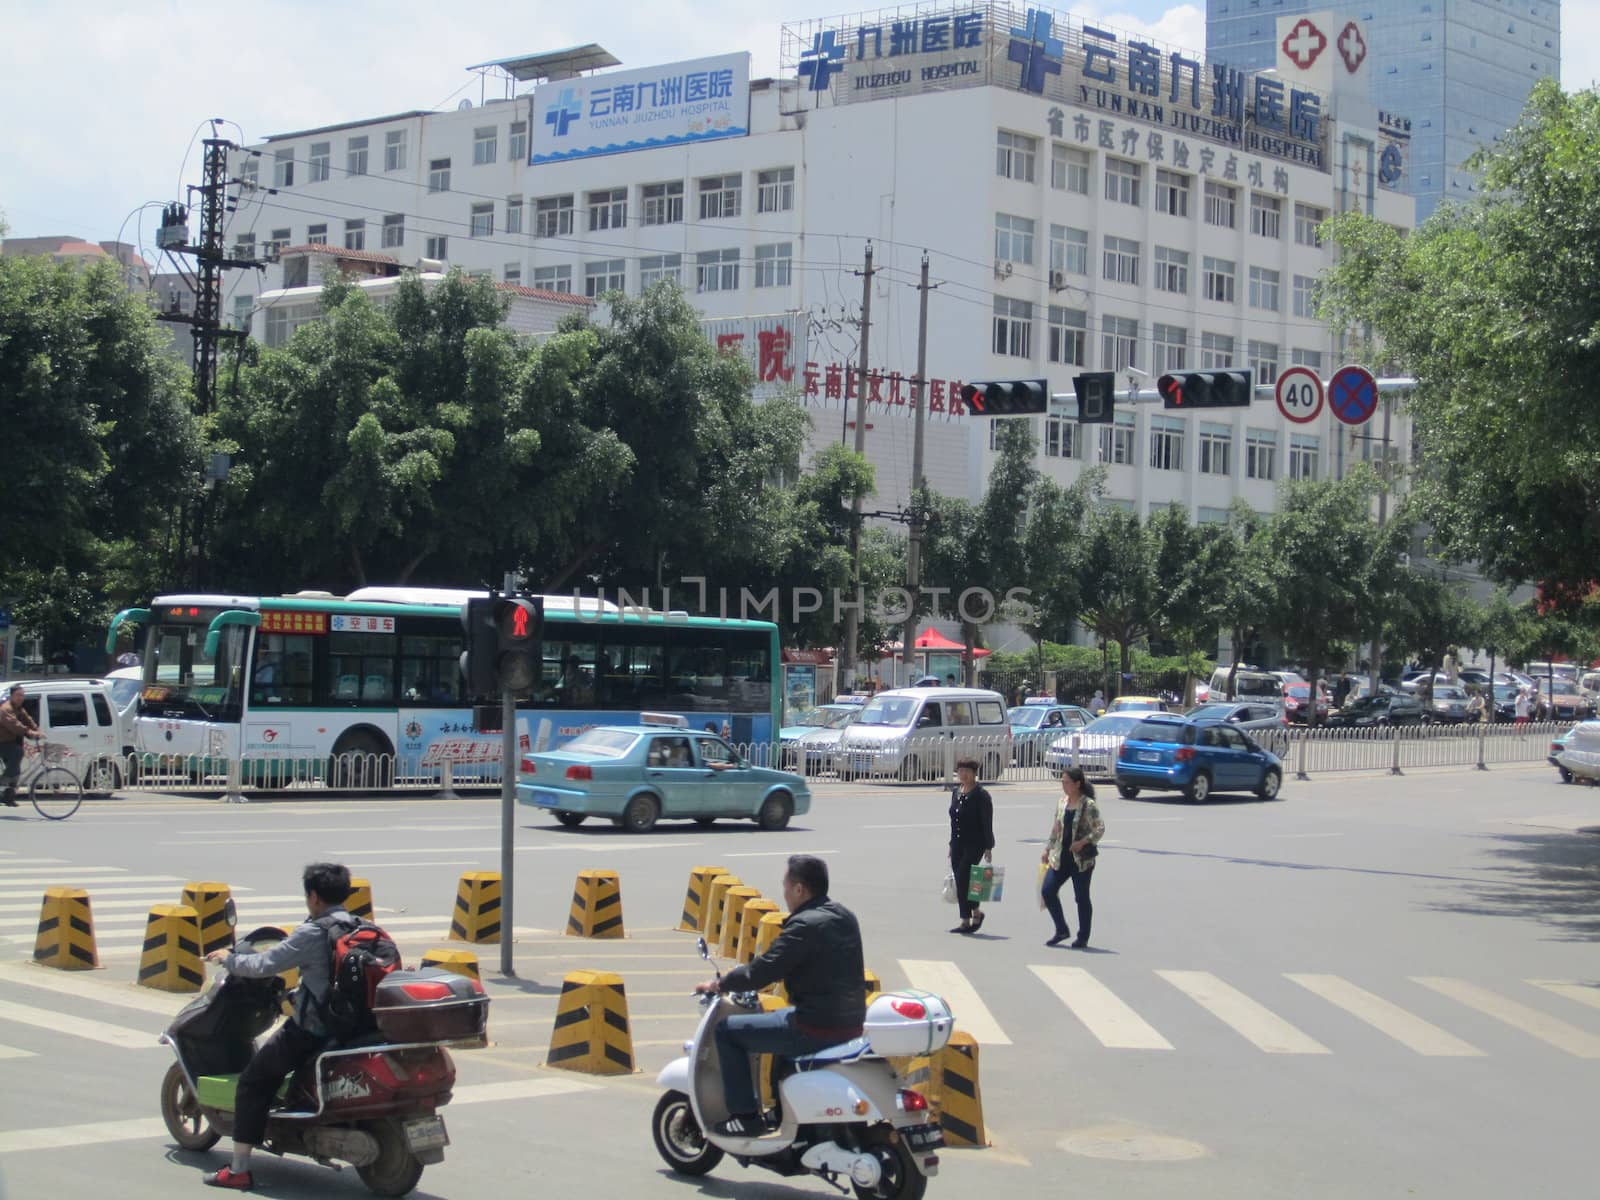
x=1120 y=584
x=1427 y=617
x=1493 y=307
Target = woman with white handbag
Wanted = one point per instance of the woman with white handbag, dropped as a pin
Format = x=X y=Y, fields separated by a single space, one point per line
x=971 y=838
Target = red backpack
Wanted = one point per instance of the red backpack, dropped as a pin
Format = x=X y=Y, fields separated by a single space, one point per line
x=361 y=954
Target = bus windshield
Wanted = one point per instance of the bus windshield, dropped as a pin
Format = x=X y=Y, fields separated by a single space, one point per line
x=180 y=678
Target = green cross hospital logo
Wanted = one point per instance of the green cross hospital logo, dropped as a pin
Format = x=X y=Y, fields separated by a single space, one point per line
x=1036 y=51
x=567 y=109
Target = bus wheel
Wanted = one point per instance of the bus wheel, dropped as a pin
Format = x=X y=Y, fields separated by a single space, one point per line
x=571 y=820
x=361 y=759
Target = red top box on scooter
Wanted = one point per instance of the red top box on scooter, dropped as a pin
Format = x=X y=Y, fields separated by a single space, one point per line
x=430 y=1006
x=908 y=1022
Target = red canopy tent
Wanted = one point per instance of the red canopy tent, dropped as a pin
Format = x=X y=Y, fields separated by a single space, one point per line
x=931 y=639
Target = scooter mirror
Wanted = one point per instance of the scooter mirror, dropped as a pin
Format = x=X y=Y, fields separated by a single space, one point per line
x=705 y=950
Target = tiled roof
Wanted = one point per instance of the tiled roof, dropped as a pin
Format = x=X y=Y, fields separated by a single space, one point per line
x=517 y=289
x=371 y=256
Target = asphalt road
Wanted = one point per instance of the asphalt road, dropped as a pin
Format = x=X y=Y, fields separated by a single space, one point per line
x=1375 y=986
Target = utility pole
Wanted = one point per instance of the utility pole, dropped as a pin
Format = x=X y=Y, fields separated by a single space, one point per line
x=508 y=809
x=1375 y=663
x=852 y=617
x=914 y=543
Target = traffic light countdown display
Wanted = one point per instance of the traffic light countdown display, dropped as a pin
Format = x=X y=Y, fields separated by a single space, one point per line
x=503 y=650
x=1206 y=389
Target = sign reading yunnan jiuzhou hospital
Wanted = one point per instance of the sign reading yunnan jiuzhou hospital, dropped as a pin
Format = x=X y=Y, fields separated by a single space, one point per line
x=696 y=101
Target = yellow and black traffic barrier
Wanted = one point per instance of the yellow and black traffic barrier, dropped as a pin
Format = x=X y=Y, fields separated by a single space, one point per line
x=170 y=960
x=477 y=915
x=596 y=906
x=765 y=1062
x=767 y=930
x=359 y=902
x=874 y=984
x=218 y=919
x=960 y=1102
x=733 y=918
x=592 y=1034
x=716 y=905
x=750 y=926
x=694 y=900
x=66 y=931
x=457 y=962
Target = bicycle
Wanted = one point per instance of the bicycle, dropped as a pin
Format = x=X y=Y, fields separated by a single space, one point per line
x=55 y=791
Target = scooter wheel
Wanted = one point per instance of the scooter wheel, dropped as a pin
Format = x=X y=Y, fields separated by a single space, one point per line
x=901 y=1179
x=679 y=1138
x=180 y=1109
x=395 y=1171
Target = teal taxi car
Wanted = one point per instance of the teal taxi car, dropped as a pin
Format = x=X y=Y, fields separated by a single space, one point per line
x=636 y=775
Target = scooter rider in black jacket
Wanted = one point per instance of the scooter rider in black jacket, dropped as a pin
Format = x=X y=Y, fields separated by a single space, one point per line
x=818 y=959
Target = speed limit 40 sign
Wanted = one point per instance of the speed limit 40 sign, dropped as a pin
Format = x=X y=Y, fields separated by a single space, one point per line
x=1300 y=395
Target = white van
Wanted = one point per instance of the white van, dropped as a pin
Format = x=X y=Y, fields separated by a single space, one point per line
x=906 y=733
x=77 y=714
x=1248 y=685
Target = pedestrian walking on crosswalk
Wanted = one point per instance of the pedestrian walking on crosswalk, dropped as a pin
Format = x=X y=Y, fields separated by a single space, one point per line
x=1071 y=854
x=971 y=838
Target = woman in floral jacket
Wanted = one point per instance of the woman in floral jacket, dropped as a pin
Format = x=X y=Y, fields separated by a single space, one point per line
x=1070 y=854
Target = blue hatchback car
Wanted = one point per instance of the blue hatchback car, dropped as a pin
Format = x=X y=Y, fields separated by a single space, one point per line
x=1195 y=757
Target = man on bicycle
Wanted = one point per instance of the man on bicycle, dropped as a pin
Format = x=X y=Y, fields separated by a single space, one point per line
x=16 y=725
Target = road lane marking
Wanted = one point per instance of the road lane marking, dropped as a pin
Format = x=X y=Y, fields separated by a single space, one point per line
x=28 y=873
x=63 y=1137
x=517 y=1089
x=156 y=896
x=13 y=1052
x=1102 y=1012
x=1252 y=1021
x=95 y=1031
x=945 y=979
x=357 y=866
x=13 y=862
x=72 y=877
x=1583 y=993
x=775 y=853
x=915 y=825
x=97 y=988
x=1406 y=1028
x=233 y=841
x=1546 y=1028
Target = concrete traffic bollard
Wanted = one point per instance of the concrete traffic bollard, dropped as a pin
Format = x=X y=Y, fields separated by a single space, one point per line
x=716 y=905
x=596 y=906
x=874 y=984
x=693 y=919
x=477 y=912
x=750 y=926
x=170 y=960
x=458 y=962
x=359 y=902
x=218 y=920
x=767 y=930
x=66 y=931
x=733 y=918
x=960 y=1101
x=591 y=1032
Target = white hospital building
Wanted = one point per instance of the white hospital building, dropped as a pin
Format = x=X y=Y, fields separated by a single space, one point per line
x=1087 y=201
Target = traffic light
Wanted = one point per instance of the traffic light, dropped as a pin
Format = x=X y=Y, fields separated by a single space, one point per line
x=1007 y=397
x=483 y=645
x=1206 y=389
x=1097 y=391
x=518 y=659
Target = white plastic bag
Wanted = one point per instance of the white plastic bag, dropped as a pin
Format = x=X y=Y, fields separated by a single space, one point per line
x=949 y=892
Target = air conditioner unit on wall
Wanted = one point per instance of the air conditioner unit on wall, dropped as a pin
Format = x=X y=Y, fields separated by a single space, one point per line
x=1003 y=269
x=1058 y=280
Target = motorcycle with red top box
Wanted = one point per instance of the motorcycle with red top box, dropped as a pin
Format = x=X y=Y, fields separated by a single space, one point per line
x=844 y=1113
x=371 y=1101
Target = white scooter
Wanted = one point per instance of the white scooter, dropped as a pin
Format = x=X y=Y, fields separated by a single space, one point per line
x=845 y=1113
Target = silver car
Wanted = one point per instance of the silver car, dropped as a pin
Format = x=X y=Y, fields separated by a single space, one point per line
x=1095 y=746
x=1262 y=721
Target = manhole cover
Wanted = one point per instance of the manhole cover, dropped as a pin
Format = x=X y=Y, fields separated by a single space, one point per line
x=1123 y=1143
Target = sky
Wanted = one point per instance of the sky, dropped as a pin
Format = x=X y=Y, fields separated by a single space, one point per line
x=105 y=101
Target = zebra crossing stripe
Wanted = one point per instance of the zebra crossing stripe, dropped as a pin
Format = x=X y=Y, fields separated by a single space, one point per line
x=1409 y=1030
x=13 y=1052
x=1100 y=1009
x=945 y=979
x=95 y=1031
x=1583 y=993
x=1251 y=1021
x=1531 y=1021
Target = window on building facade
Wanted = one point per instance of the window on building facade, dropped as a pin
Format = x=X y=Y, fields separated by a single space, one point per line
x=1216 y=351
x=1307 y=217
x=608 y=209
x=1119 y=343
x=1305 y=304
x=1171 y=345
x=552 y=216
x=1014 y=156
x=1013 y=327
x=606 y=275
x=1306 y=358
x=517 y=143
x=355 y=235
x=663 y=203
x=485 y=145
x=1124 y=181
x=438 y=247
x=1013 y=239
x=1061 y=438
x=773 y=264
x=716 y=270
x=242 y=306
x=512 y=273
x=394 y=230
x=284 y=319
x=394 y=150
x=1172 y=192
x=1116 y=441
x=656 y=267
x=553 y=279
x=719 y=196
x=775 y=190
x=283 y=168
x=1216 y=449
x=513 y=214
x=1261 y=454
x=250 y=172
x=1264 y=361
x=482 y=220
x=1069 y=169
x=244 y=245
x=1266 y=215
x=439 y=175
x=1166 y=443
x=316 y=235
x=1069 y=335
x=1172 y=270
x=317 y=162
x=1120 y=260
x=276 y=241
x=355 y=155
x=1264 y=288
x=1219 y=279
x=995 y=423
x=1069 y=250
x=1304 y=450
x=1222 y=205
